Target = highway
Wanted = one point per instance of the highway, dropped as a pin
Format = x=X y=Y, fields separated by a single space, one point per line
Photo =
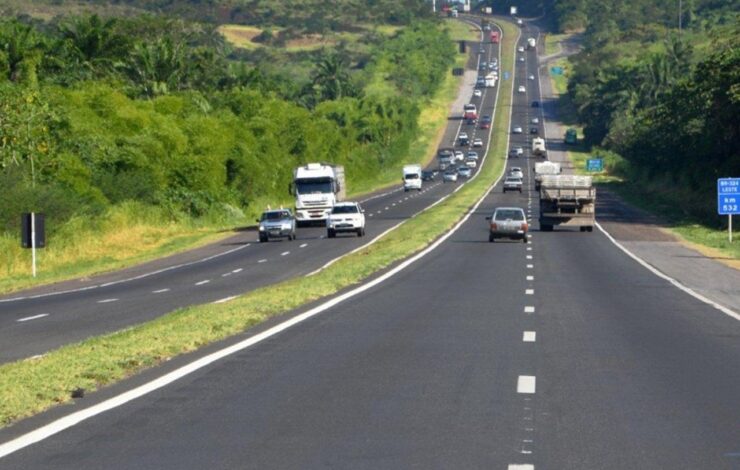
x=32 y=325
x=561 y=353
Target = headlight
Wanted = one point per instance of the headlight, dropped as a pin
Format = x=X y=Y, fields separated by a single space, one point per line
x=287 y=226
x=262 y=228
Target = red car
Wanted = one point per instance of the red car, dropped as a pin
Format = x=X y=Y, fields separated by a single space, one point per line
x=485 y=123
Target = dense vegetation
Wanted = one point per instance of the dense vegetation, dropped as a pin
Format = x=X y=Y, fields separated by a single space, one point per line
x=665 y=99
x=99 y=112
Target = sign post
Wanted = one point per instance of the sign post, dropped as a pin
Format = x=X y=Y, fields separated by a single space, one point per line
x=33 y=235
x=728 y=200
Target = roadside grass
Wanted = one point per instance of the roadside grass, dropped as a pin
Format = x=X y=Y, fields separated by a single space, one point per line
x=552 y=42
x=30 y=386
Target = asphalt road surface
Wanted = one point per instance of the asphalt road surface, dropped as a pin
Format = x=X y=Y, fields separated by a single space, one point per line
x=34 y=325
x=561 y=353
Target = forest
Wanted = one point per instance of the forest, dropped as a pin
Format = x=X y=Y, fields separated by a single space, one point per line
x=159 y=110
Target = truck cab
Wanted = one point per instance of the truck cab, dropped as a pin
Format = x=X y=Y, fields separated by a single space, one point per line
x=470 y=111
x=317 y=187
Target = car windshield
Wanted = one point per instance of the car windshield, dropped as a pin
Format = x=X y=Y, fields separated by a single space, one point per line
x=275 y=215
x=513 y=180
x=509 y=214
x=411 y=176
x=344 y=210
x=313 y=186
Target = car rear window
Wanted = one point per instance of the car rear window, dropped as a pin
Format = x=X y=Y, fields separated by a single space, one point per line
x=509 y=214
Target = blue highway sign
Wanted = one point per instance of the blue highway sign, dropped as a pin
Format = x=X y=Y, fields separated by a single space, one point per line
x=595 y=164
x=728 y=196
x=556 y=70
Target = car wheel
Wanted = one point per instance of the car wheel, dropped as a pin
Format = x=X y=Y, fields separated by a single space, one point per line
x=263 y=238
x=520 y=191
x=524 y=239
x=491 y=238
x=589 y=229
x=331 y=234
x=359 y=232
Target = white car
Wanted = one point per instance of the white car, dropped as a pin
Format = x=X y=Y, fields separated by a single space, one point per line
x=462 y=136
x=516 y=152
x=516 y=172
x=471 y=162
x=450 y=176
x=516 y=130
x=473 y=155
x=477 y=142
x=519 y=21
x=531 y=77
x=520 y=48
x=521 y=59
x=535 y=120
x=477 y=93
x=521 y=89
x=345 y=217
x=459 y=155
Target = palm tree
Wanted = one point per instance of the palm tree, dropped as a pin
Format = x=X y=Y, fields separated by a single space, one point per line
x=22 y=47
x=332 y=77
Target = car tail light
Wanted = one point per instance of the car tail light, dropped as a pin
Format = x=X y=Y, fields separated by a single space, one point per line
x=494 y=226
x=524 y=227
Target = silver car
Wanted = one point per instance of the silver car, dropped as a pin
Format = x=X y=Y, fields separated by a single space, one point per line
x=516 y=172
x=278 y=223
x=450 y=176
x=512 y=184
x=464 y=172
x=508 y=222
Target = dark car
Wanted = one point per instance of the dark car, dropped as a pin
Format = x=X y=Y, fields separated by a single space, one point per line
x=533 y=130
x=485 y=122
x=535 y=104
x=428 y=175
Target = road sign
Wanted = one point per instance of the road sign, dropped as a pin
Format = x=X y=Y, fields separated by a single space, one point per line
x=512 y=11
x=556 y=70
x=595 y=164
x=728 y=196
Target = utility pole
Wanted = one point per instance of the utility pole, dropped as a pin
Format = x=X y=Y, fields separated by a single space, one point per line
x=434 y=6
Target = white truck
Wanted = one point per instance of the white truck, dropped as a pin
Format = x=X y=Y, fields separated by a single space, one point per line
x=568 y=200
x=411 y=177
x=538 y=147
x=531 y=43
x=545 y=168
x=317 y=187
x=491 y=79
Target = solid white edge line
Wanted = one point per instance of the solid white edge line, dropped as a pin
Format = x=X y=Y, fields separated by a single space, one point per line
x=225 y=299
x=159 y=291
x=662 y=275
x=526 y=384
x=34 y=317
x=77 y=417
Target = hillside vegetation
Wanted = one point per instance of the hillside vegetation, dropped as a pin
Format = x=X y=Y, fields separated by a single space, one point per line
x=151 y=118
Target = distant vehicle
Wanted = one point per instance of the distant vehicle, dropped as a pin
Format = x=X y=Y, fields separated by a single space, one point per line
x=538 y=147
x=520 y=49
x=516 y=152
x=471 y=162
x=463 y=139
x=512 y=184
x=519 y=21
x=508 y=222
x=531 y=43
x=494 y=61
x=535 y=120
x=464 y=172
x=531 y=77
x=545 y=168
x=278 y=223
x=516 y=172
x=535 y=104
x=317 y=187
x=516 y=130
x=521 y=59
x=411 y=177
x=571 y=136
x=473 y=155
x=459 y=156
x=477 y=142
x=477 y=93
x=428 y=175
x=485 y=124
x=346 y=217
x=521 y=89
x=445 y=158
x=482 y=66
x=495 y=37
x=533 y=130
x=491 y=79
x=450 y=176
x=480 y=82
x=568 y=200
x=470 y=111
x=493 y=67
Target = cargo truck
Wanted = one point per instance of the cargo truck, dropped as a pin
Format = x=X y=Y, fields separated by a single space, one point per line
x=567 y=200
x=317 y=187
x=411 y=177
x=531 y=43
x=470 y=112
x=544 y=168
x=538 y=147
x=491 y=80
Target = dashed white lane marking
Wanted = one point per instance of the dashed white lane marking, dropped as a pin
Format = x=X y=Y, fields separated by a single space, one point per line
x=285 y=253
x=530 y=278
x=520 y=466
x=529 y=336
x=529 y=292
x=379 y=212
x=394 y=204
x=35 y=317
x=529 y=248
x=529 y=309
x=159 y=291
x=526 y=384
x=262 y=261
x=237 y=270
x=530 y=266
x=107 y=301
x=529 y=256
x=371 y=215
x=225 y=299
x=200 y=283
x=386 y=207
x=306 y=244
x=227 y=274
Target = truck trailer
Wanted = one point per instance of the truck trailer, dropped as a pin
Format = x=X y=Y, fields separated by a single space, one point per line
x=317 y=187
x=544 y=168
x=567 y=200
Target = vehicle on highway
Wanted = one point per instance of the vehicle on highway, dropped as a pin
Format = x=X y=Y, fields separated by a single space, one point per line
x=531 y=77
x=464 y=172
x=346 y=217
x=492 y=66
x=535 y=104
x=473 y=155
x=278 y=223
x=481 y=82
x=428 y=175
x=538 y=147
x=521 y=59
x=516 y=172
x=535 y=120
x=470 y=111
x=481 y=51
x=516 y=152
x=477 y=93
x=317 y=187
x=520 y=49
x=471 y=162
x=517 y=130
x=508 y=222
x=450 y=176
x=411 y=177
x=533 y=130
x=521 y=89
x=512 y=184
x=477 y=142
x=567 y=200
x=545 y=168
x=463 y=140
x=459 y=156
x=519 y=21
x=494 y=61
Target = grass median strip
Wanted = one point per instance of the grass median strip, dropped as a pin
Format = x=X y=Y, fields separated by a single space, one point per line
x=30 y=386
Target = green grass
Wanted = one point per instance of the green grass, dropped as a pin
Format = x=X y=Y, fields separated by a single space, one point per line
x=552 y=42
x=30 y=386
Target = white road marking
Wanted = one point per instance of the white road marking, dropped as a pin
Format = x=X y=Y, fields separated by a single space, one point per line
x=529 y=256
x=74 y=418
x=40 y=315
x=530 y=266
x=520 y=466
x=159 y=291
x=238 y=270
x=530 y=278
x=285 y=253
x=225 y=299
x=306 y=244
x=226 y=274
x=529 y=248
x=107 y=301
x=386 y=207
x=370 y=215
x=262 y=261
x=529 y=336
x=526 y=384
x=529 y=291
x=529 y=309
x=200 y=283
